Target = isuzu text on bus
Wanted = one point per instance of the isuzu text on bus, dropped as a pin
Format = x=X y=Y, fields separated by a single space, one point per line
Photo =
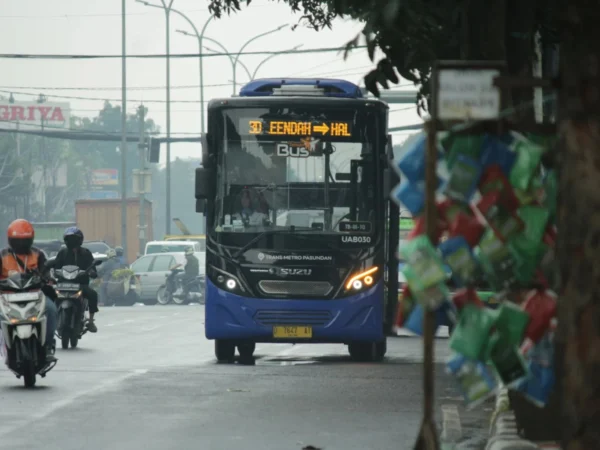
x=294 y=187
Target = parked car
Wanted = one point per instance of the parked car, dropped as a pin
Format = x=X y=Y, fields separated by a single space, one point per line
x=154 y=247
x=97 y=247
x=152 y=269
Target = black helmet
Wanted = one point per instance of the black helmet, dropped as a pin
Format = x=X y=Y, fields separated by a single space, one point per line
x=73 y=237
x=119 y=250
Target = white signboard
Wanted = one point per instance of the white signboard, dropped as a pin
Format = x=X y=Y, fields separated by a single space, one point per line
x=468 y=94
x=34 y=116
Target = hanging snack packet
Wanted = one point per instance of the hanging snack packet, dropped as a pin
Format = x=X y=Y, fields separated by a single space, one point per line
x=419 y=227
x=414 y=321
x=412 y=164
x=472 y=332
x=424 y=268
x=406 y=304
x=506 y=360
x=468 y=226
x=476 y=381
x=541 y=307
x=528 y=160
x=512 y=321
x=494 y=180
x=504 y=223
x=496 y=261
x=539 y=385
x=541 y=353
x=411 y=196
x=463 y=180
x=459 y=257
x=497 y=151
x=433 y=297
x=466 y=296
x=465 y=145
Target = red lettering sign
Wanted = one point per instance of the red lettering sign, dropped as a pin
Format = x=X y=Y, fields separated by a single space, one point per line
x=33 y=114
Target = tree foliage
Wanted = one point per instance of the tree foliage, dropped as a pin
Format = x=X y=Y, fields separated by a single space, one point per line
x=412 y=34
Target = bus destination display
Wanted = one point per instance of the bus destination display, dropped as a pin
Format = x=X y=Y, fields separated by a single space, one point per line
x=296 y=128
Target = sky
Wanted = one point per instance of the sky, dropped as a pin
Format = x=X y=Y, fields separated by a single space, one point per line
x=87 y=27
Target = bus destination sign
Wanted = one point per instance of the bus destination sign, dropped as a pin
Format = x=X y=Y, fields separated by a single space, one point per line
x=297 y=128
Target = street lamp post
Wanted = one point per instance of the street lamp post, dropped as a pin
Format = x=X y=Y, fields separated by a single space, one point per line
x=266 y=33
x=167 y=7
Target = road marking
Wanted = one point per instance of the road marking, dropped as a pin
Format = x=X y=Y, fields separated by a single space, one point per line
x=110 y=324
x=55 y=406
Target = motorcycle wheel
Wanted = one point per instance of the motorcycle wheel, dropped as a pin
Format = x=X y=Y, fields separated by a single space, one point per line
x=64 y=340
x=29 y=374
x=74 y=341
x=180 y=300
x=162 y=297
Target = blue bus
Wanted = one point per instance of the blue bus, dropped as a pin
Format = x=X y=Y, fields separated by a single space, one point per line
x=294 y=186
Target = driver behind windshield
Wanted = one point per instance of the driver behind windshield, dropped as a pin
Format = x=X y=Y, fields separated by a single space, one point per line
x=20 y=257
x=247 y=214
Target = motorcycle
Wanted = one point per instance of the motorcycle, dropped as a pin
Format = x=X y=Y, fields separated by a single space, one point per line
x=72 y=305
x=173 y=290
x=23 y=308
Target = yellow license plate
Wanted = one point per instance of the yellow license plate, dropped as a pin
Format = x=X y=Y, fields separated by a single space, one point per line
x=292 y=331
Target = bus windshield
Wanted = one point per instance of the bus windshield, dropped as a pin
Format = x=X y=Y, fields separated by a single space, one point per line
x=275 y=173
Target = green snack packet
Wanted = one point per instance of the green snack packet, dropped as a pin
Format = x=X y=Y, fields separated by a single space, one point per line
x=512 y=321
x=424 y=266
x=526 y=165
x=471 y=333
x=527 y=248
x=496 y=261
x=432 y=297
x=506 y=360
x=466 y=145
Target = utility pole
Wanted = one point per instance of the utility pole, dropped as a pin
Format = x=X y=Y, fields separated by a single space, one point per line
x=168 y=168
x=142 y=180
x=43 y=157
x=123 y=132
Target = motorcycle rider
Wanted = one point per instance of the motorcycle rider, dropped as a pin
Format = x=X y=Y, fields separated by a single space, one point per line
x=76 y=255
x=191 y=270
x=20 y=256
x=105 y=272
x=120 y=256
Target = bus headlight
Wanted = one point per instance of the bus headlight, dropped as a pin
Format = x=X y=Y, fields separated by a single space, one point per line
x=362 y=279
x=227 y=281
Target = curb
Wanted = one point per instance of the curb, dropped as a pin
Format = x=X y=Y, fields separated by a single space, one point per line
x=504 y=434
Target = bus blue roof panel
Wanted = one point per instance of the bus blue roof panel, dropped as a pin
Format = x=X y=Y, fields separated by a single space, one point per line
x=332 y=87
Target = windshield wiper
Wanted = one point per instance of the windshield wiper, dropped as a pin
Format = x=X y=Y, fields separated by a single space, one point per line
x=267 y=232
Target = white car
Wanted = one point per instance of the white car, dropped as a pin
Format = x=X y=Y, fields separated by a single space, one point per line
x=154 y=247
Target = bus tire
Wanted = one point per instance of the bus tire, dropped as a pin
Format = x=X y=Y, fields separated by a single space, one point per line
x=224 y=350
x=246 y=350
x=367 y=351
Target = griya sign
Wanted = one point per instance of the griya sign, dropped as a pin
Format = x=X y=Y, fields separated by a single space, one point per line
x=296 y=128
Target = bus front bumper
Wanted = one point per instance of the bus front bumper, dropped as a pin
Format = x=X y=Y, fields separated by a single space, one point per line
x=358 y=318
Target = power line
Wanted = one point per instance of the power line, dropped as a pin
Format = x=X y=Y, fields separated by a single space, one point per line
x=68 y=16
x=176 y=55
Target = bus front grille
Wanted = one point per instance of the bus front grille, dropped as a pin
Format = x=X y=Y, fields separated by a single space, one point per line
x=316 y=318
x=296 y=288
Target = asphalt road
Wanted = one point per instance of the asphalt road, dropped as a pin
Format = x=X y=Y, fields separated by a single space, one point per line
x=148 y=380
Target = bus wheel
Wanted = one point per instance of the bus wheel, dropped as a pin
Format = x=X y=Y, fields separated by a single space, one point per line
x=246 y=350
x=368 y=351
x=224 y=350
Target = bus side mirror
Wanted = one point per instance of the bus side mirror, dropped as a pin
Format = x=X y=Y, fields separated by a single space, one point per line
x=204 y=183
x=201 y=206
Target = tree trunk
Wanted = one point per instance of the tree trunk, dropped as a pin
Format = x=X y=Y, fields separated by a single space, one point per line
x=578 y=349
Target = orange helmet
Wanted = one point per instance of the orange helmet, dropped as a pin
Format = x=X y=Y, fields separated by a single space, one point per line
x=20 y=236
